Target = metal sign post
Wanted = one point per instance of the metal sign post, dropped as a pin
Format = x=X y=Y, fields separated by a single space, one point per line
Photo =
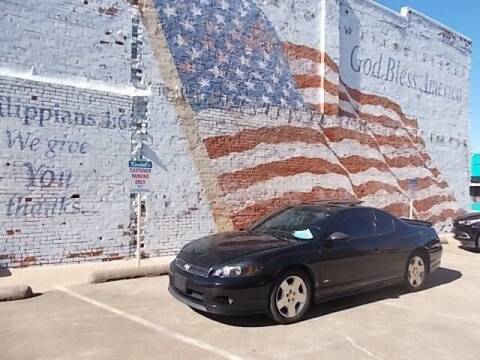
x=139 y=214
x=140 y=171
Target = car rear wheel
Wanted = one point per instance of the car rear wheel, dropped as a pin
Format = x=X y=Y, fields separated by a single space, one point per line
x=290 y=297
x=416 y=272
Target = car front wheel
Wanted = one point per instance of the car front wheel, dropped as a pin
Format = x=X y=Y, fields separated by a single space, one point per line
x=290 y=297
x=416 y=272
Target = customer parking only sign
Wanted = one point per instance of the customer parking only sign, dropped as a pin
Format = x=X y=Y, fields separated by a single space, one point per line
x=140 y=170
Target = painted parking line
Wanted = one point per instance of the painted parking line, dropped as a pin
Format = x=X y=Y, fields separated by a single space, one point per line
x=164 y=331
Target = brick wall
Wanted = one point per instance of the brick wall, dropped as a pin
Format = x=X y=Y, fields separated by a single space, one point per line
x=250 y=105
x=60 y=179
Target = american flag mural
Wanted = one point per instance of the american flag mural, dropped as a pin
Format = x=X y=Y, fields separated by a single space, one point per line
x=228 y=56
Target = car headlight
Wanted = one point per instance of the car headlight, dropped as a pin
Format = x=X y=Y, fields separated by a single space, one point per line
x=235 y=270
x=471 y=222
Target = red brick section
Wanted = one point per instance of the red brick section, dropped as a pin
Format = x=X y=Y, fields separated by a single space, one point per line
x=402 y=161
x=403 y=141
x=244 y=140
x=383 y=120
x=427 y=203
x=91 y=253
x=331 y=109
x=296 y=165
x=294 y=51
x=443 y=216
x=379 y=119
x=305 y=81
x=262 y=208
x=28 y=261
x=371 y=187
x=345 y=113
x=397 y=209
x=423 y=183
x=371 y=99
x=324 y=108
x=113 y=256
x=337 y=134
x=402 y=210
x=393 y=140
x=355 y=164
x=222 y=145
x=425 y=156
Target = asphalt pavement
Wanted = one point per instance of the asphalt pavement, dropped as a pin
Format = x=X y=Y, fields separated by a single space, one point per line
x=138 y=319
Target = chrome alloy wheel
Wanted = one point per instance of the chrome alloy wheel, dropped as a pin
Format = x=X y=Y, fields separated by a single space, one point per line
x=416 y=271
x=291 y=296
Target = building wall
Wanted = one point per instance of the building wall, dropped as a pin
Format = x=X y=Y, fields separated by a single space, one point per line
x=66 y=105
x=251 y=105
x=422 y=66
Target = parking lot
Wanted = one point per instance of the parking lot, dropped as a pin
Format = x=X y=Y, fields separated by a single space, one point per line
x=138 y=319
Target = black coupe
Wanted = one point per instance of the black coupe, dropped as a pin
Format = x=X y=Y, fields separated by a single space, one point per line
x=300 y=255
x=466 y=229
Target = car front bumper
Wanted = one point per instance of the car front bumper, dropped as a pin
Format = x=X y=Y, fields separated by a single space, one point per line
x=465 y=239
x=239 y=296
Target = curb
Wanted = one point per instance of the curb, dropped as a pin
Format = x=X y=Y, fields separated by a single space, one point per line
x=15 y=292
x=101 y=276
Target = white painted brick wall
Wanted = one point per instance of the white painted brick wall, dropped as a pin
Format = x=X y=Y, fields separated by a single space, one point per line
x=86 y=46
x=74 y=56
x=413 y=44
x=62 y=187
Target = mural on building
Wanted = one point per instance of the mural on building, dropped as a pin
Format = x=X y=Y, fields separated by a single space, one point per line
x=248 y=105
x=228 y=54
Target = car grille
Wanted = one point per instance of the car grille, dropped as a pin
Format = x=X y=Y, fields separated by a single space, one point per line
x=190 y=268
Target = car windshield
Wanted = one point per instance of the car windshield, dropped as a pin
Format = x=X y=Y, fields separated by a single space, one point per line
x=299 y=223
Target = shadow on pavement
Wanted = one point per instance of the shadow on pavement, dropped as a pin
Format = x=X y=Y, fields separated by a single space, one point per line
x=440 y=277
x=4 y=272
x=475 y=251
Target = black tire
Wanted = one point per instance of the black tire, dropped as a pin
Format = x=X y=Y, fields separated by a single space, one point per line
x=412 y=283
x=294 y=298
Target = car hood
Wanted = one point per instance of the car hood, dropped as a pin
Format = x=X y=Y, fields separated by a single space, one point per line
x=220 y=248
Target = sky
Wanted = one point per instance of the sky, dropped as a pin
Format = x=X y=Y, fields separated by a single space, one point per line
x=462 y=16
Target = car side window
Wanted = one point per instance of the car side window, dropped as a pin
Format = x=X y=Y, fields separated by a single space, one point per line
x=384 y=222
x=356 y=224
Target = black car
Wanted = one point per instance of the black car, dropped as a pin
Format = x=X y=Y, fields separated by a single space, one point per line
x=300 y=255
x=466 y=229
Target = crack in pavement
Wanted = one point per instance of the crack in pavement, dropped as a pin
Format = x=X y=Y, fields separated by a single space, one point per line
x=356 y=346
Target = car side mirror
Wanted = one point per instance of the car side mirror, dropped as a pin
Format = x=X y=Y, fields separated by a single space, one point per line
x=338 y=236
